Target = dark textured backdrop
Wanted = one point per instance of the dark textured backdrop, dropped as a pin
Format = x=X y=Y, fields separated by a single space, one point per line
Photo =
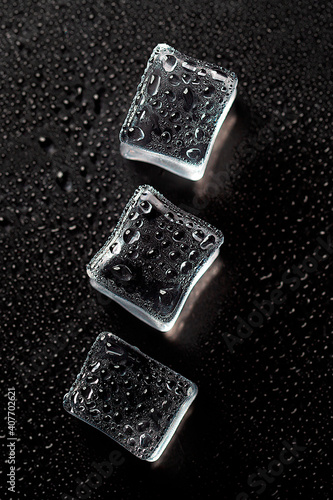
x=68 y=73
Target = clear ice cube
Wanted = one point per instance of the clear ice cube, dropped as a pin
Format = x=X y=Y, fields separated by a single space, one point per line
x=177 y=112
x=154 y=257
x=129 y=396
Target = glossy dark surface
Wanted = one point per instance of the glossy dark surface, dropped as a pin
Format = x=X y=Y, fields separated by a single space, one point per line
x=69 y=71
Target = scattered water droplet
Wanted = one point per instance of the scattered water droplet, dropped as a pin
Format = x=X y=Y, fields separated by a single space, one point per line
x=209 y=91
x=143 y=425
x=64 y=181
x=117 y=417
x=178 y=235
x=156 y=104
x=133 y=215
x=188 y=66
x=208 y=242
x=185 y=267
x=198 y=235
x=154 y=84
x=171 y=385
x=170 y=95
x=198 y=134
x=130 y=236
x=145 y=206
x=87 y=392
x=122 y=272
x=128 y=430
x=47 y=144
x=175 y=255
x=219 y=76
x=145 y=440
x=165 y=244
x=94 y=366
x=133 y=254
x=193 y=153
x=193 y=255
x=188 y=99
x=186 y=77
x=210 y=105
x=166 y=136
x=115 y=248
x=171 y=273
x=169 y=63
x=152 y=253
x=175 y=116
x=170 y=216
x=92 y=379
x=114 y=350
x=135 y=134
x=174 y=80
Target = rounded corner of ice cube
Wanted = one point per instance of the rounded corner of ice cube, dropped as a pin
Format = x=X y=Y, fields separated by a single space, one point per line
x=193 y=391
x=124 y=148
x=195 y=174
x=165 y=326
x=162 y=46
x=145 y=187
x=220 y=236
x=89 y=271
x=155 y=455
x=103 y=333
x=65 y=402
x=121 y=135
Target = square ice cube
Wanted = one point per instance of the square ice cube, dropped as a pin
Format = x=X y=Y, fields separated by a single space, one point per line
x=154 y=257
x=129 y=396
x=177 y=112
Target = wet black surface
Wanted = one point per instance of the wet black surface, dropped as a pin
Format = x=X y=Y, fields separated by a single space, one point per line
x=69 y=71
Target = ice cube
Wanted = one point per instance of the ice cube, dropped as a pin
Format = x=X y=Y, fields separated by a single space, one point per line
x=177 y=112
x=154 y=257
x=129 y=396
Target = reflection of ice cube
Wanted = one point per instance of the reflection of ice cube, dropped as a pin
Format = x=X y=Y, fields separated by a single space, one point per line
x=154 y=257
x=177 y=112
x=129 y=396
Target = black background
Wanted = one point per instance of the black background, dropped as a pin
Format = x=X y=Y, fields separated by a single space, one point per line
x=69 y=70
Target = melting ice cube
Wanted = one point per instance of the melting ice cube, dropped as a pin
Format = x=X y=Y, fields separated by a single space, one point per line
x=177 y=112
x=154 y=257
x=129 y=396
